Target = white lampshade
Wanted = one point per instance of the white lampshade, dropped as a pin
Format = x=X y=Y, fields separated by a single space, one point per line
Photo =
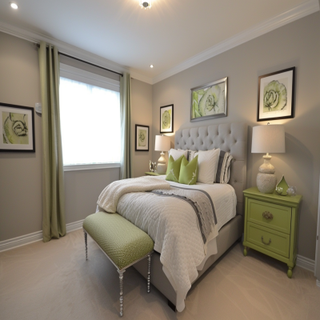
x=265 y=139
x=162 y=143
x=268 y=139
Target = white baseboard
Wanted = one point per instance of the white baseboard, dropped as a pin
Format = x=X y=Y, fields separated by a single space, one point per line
x=33 y=237
x=305 y=263
x=318 y=283
x=9 y=244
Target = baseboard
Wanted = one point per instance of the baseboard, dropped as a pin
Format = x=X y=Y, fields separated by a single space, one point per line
x=318 y=283
x=305 y=263
x=9 y=244
x=33 y=237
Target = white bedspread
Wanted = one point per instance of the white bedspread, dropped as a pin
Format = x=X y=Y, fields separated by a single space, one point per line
x=173 y=225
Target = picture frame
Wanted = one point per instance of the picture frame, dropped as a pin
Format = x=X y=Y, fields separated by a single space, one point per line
x=166 y=118
x=210 y=100
x=17 y=128
x=142 y=138
x=276 y=95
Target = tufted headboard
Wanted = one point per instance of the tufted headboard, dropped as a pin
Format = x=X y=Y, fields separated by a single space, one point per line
x=230 y=137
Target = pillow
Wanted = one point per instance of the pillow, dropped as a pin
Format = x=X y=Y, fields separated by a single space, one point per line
x=189 y=171
x=177 y=153
x=208 y=164
x=173 y=169
x=223 y=171
x=191 y=155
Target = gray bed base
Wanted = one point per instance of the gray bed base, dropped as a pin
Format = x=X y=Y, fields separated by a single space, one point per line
x=231 y=138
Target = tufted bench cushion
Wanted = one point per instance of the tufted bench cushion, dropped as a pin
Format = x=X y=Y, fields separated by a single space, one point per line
x=122 y=242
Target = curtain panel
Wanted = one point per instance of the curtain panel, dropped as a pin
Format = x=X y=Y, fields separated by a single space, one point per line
x=125 y=111
x=53 y=223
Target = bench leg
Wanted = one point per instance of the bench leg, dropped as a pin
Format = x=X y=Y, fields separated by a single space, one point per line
x=86 y=243
x=121 y=272
x=149 y=272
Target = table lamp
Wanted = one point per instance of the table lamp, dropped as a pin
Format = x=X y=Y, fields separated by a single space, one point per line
x=265 y=139
x=162 y=143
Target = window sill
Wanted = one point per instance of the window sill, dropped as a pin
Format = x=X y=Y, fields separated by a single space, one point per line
x=91 y=166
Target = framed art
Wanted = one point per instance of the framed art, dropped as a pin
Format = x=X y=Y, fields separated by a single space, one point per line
x=276 y=95
x=209 y=101
x=142 y=138
x=166 y=119
x=17 y=128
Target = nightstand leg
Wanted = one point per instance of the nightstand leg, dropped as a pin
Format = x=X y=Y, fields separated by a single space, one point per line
x=245 y=251
x=289 y=273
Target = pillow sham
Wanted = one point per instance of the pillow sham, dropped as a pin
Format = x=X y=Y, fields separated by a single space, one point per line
x=173 y=169
x=189 y=171
x=208 y=164
x=177 y=153
x=191 y=155
x=223 y=171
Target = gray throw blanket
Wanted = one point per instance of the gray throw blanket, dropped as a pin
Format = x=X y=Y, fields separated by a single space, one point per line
x=201 y=203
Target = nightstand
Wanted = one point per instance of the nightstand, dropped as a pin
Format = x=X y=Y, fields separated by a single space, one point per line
x=152 y=174
x=271 y=225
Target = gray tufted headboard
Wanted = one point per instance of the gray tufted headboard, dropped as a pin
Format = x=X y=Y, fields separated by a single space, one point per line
x=230 y=137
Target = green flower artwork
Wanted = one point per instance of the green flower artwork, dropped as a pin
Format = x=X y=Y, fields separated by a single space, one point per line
x=209 y=101
x=142 y=140
x=166 y=119
x=15 y=128
x=274 y=96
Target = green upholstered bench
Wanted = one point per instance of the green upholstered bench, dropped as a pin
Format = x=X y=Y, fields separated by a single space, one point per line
x=122 y=242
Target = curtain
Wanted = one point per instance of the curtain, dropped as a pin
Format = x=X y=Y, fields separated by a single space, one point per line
x=125 y=111
x=53 y=222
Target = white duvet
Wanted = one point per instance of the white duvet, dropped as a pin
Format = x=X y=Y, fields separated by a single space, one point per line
x=172 y=224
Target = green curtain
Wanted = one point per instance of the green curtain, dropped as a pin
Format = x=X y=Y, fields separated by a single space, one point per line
x=125 y=109
x=53 y=222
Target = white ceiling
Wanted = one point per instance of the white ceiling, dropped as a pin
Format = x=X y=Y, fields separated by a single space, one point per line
x=173 y=35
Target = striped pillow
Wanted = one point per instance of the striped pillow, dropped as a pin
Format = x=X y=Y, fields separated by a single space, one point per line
x=223 y=171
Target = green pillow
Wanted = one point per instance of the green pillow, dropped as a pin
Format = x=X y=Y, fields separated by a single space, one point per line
x=189 y=171
x=173 y=169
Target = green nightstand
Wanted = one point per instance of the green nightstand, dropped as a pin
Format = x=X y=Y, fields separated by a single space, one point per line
x=271 y=225
x=152 y=174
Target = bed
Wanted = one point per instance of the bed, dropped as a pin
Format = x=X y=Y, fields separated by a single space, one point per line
x=177 y=265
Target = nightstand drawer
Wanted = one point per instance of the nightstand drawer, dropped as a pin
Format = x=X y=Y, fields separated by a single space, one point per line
x=268 y=239
x=269 y=215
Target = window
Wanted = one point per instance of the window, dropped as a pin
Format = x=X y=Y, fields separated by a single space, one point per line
x=90 y=119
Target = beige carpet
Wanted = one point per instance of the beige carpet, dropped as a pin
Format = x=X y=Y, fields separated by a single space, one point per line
x=53 y=281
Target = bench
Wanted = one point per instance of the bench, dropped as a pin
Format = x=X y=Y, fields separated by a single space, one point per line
x=122 y=242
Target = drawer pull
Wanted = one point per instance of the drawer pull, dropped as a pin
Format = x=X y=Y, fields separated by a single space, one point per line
x=267 y=215
x=266 y=242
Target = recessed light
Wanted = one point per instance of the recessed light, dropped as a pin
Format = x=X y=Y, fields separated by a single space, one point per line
x=14 y=6
x=151 y=66
x=145 y=4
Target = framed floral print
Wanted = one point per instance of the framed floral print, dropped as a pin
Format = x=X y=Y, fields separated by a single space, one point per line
x=142 y=138
x=166 y=119
x=209 y=101
x=17 y=128
x=276 y=95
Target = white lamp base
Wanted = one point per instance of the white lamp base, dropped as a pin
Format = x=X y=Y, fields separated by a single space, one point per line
x=161 y=168
x=266 y=180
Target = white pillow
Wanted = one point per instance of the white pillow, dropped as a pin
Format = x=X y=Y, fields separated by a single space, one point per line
x=177 y=153
x=207 y=165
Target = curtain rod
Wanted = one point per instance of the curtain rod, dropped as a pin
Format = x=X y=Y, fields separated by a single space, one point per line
x=92 y=64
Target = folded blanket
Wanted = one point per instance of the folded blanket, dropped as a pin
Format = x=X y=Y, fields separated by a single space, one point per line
x=110 y=195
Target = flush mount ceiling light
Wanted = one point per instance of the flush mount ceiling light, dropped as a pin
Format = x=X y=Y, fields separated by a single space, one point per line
x=13 y=5
x=145 y=4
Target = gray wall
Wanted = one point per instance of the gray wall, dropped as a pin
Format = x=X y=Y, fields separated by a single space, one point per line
x=296 y=44
x=21 y=173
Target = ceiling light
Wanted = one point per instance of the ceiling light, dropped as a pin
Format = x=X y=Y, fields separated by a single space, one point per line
x=13 y=5
x=145 y=4
x=151 y=66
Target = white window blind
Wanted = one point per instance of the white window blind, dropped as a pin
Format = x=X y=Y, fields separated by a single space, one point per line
x=90 y=119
